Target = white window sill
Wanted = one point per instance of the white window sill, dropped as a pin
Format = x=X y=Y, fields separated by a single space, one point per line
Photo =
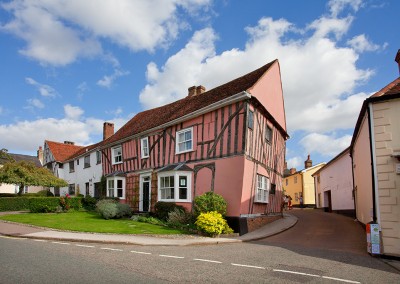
x=175 y=200
x=183 y=152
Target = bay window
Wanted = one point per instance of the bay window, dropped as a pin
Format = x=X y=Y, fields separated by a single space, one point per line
x=174 y=186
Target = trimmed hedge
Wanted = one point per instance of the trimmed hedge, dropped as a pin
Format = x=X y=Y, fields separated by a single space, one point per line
x=36 y=204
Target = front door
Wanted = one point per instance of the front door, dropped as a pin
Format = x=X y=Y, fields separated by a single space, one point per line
x=145 y=185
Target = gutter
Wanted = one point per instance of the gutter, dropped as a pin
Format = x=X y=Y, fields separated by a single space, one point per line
x=376 y=214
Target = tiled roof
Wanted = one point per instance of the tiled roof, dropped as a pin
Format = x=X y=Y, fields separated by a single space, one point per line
x=391 y=89
x=62 y=151
x=27 y=158
x=83 y=150
x=155 y=117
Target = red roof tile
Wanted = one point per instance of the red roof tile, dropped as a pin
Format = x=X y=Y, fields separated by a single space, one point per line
x=62 y=151
x=390 y=89
x=155 y=117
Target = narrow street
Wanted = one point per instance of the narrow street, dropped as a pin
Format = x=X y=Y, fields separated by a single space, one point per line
x=320 y=248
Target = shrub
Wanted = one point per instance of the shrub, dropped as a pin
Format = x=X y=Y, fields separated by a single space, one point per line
x=161 y=209
x=208 y=202
x=43 y=204
x=89 y=203
x=110 y=209
x=178 y=218
x=211 y=223
x=44 y=193
x=8 y=195
x=43 y=208
x=14 y=203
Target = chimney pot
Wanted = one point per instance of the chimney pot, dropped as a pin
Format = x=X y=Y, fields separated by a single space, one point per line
x=200 y=89
x=69 y=142
x=308 y=162
x=292 y=171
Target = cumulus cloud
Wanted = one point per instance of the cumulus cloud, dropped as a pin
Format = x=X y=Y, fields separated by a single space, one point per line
x=108 y=80
x=27 y=136
x=44 y=90
x=295 y=162
x=326 y=145
x=35 y=103
x=58 y=32
x=337 y=6
x=360 y=43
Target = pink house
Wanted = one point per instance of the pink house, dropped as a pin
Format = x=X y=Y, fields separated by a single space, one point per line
x=229 y=140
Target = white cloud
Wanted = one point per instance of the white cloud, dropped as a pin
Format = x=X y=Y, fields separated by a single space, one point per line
x=73 y=112
x=44 y=90
x=295 y=162
x=337 y=6
x=108 y=80
x=318 y=75
x=360 y=43
x=326 y=145
x=58 y=32
x=35 y=103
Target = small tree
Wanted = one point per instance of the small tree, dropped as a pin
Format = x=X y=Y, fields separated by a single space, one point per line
x=26 y=173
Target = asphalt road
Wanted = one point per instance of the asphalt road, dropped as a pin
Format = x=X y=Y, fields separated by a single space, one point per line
x=295 y=256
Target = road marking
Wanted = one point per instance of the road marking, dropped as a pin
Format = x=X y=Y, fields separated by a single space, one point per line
x=170 y=256
x=43 y=241
x=339 y=279
x=249 y=266
x=207 y=260
x=12 y=238
x=111 y=249
x=60 y=243
x=140 y=252
x=295 y=272
x=85 y=246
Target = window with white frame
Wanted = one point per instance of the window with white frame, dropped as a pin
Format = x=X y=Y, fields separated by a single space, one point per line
x=144 y=143
x=184 y=140
x=116 y=154
x=71 y=166
x=174 y=186
x=116 y=187
x=262 y=191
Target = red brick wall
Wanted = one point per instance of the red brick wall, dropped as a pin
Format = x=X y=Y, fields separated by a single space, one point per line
x=255 y=223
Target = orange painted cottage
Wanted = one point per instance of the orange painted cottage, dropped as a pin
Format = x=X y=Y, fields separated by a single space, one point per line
x=229 y=140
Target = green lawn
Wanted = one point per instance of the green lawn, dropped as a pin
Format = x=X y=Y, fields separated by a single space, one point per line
x=89 y=222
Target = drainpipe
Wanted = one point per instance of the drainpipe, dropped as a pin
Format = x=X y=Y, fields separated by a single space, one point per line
x=375 y=196
x=354 y=185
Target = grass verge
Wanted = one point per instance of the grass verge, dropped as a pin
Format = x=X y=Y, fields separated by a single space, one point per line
x=89 y=222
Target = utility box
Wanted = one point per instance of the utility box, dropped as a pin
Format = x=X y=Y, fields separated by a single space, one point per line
x=373 y=239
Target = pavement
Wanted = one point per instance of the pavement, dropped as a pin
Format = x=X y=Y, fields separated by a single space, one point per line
x=26 y=231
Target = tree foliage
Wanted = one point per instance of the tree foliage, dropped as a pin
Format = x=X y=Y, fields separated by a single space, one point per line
x=25 y=173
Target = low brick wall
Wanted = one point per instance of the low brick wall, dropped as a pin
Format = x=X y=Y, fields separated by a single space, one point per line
x=254 y=223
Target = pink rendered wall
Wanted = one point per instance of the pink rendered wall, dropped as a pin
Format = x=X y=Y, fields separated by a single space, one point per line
x=363 y=174
x=268 y=90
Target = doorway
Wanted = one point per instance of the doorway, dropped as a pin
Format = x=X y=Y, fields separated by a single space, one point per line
x=145 y=193
x=328 y=201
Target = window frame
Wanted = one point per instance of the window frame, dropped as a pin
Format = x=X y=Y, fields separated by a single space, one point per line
x=69 y=189
x=98 y=157
x=268 y=134
x=250 y=120
x=113 y=156
x=176 y=188
x=143 y=148
x=177 y=143
x=262 y=190
x=115 y=187
x=86 y=161
x=71 y=169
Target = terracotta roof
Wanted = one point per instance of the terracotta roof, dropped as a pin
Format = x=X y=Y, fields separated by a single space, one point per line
x=83 y=150
x=155 y=117
x=390 y=91
x=62 y=151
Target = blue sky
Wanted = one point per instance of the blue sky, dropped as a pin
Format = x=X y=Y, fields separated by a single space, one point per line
x=68 y=66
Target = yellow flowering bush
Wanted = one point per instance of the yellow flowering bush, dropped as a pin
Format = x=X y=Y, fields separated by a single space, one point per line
x=212 y=223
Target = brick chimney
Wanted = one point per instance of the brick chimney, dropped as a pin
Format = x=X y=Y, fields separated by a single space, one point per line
x=40 y=154
x=397 y=59
x=308 y=162
x=69 y=143
x=292 y=171
x=195 y=91
x=108 y=130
